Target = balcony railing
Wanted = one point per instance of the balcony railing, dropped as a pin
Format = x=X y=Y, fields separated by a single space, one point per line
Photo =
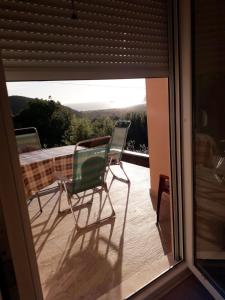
x=136 y=158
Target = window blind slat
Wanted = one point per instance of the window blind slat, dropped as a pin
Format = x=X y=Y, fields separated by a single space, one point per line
x=95 y=29
x=106 y=33
x=116 y=17
x=21 y=36
x=210 y=37
x=71 y=48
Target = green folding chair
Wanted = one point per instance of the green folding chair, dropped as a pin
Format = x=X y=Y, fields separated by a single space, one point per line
x=27 y=139
x=89 y=173
x=117 y=144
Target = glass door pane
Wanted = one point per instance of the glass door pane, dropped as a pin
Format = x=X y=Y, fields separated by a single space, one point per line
x=208 y=26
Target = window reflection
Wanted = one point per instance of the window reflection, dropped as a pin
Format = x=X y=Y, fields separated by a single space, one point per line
x=209 y=138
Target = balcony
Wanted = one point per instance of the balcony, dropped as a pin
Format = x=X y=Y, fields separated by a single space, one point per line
x=116 y=257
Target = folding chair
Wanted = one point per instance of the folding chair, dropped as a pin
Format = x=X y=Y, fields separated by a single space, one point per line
x=27 y=139
x=117 y=144
x=89 y=172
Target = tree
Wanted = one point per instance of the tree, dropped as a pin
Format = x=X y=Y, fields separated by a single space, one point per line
x=84 y=128
x=137 y=138
x=80 y=129
x=102 y=126
x=56 y=126
x=50 y=118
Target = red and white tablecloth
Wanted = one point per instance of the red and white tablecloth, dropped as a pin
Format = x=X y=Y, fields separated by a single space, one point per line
x=42 y=167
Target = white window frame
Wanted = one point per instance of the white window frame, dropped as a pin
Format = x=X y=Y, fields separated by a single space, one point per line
x=13 y=205
x=18 y=210
x=186 y=96
x=29 y=286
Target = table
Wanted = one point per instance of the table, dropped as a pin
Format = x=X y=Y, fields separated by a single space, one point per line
x=41 y=168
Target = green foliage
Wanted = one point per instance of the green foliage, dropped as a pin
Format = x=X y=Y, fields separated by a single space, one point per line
x=18 y=103
x=83 y=128
x=102 y=126
x=80 y=129
x=57 y=125
x=50 y=118
x=137 y=139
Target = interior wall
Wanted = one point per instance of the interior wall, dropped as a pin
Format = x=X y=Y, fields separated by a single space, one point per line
x=14 y=208
x=158 y=129
x=8 y=285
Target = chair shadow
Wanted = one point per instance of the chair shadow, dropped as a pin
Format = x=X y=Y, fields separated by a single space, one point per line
x=43 y=206
x=95 y=268
x=49 y=230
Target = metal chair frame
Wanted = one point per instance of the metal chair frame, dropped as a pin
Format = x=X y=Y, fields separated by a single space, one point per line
x=116 y=156
x=28 y=130
x=95 y=143
x=24 y=131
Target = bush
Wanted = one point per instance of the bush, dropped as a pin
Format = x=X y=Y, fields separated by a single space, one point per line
x=50 y=118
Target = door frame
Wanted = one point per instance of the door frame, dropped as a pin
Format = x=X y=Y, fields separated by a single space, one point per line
x=21 y=244
x=186 y=98
x=22 y=248
x=13 y=204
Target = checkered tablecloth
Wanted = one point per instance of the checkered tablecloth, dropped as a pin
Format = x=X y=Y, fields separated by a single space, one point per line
x=42 y=167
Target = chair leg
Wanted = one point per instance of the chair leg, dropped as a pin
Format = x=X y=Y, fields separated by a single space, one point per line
x=110 y=202
x=60 y=196
x=99 y=220
x=100 y=205
x=127 y=180
x=108 y=168
x=39 y=202
x=71 y=208
x=111 y=172
x=77 y=227
x=121 y=166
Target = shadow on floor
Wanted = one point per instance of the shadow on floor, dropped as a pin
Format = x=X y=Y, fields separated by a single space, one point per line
x=74 y=279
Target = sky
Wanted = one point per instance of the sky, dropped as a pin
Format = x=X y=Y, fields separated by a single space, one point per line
x=84 y=94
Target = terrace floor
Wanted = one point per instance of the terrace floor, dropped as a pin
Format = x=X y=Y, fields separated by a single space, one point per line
x=108 y=261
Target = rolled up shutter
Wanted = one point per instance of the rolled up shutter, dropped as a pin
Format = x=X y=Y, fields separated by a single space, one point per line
x=209 y=37
x=108 y=39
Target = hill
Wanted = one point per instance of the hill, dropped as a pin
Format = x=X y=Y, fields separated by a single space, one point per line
x=19 y=103
x=114 y=112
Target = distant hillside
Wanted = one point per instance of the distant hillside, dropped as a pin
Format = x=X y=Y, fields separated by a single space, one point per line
x=19 y=103
x=73 y=111
x=114 y=112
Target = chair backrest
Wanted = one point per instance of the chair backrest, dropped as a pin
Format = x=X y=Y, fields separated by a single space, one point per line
x=89 y=164
x=27 y=139
x=118 y=140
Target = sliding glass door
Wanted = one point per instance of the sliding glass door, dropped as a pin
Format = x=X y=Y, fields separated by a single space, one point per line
x=208 y=62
